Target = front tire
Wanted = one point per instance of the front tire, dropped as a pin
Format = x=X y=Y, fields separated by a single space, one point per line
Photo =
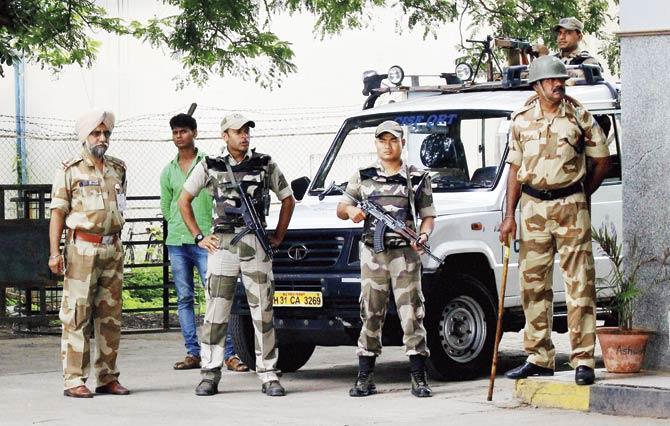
x=291 y=356
x=461 y=325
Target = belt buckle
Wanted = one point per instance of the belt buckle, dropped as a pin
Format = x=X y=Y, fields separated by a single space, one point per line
x=107 y=239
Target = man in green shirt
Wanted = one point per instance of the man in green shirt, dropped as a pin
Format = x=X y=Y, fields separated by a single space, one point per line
x=184 y=253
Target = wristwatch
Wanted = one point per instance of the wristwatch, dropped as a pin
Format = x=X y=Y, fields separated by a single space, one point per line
x=199 y=238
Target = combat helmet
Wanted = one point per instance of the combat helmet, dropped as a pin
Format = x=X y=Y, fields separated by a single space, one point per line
x=546 y=67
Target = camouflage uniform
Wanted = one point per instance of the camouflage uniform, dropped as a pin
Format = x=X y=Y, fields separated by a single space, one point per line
x=93 y=203
x=256 y=171
x=397 y=268
x=576 y=58
x=545 y=152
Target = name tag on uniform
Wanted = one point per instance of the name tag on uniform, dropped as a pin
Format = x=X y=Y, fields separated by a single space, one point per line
x=120 y=198
x=83 y=183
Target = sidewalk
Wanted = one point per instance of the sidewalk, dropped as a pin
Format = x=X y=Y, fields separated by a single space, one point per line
x=646 y=394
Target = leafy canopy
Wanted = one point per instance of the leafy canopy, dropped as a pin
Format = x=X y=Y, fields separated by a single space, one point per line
x=234 y=37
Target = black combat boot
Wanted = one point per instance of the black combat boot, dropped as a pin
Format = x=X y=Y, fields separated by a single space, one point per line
x=365 y=382
x=420 y=386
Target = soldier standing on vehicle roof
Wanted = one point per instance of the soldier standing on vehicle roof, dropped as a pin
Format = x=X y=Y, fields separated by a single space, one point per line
x=88 y=196
x=259 y=174
x=568 y=35
x=391 y=184
x=550 y=139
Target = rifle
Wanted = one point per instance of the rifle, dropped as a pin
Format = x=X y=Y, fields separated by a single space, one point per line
x=252 y=220
x=384 y=221
x=518 y=51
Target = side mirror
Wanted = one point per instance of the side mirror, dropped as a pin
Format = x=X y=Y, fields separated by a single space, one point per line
x=299 y=187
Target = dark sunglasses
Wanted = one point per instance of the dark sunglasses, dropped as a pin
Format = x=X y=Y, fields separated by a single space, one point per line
x=97 y=133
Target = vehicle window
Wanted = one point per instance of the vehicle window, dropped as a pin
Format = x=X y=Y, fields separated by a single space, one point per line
x=611 y=126
x=460 y=149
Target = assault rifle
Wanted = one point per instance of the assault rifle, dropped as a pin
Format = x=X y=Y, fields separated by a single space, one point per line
x=252 y=221
x=384 y=221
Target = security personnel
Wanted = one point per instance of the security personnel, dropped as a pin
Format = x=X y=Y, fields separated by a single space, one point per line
x=259 y=174
x=400 y=191
x=568 y=35
x=550 y=139
x=88 y=197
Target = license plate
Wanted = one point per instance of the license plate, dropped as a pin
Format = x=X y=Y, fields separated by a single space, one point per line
x=303 y=299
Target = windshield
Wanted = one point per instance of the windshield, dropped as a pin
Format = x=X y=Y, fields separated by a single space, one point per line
x=460 y=149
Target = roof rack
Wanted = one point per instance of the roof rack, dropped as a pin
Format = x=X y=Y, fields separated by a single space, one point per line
x=513 y=78
x=512 y=75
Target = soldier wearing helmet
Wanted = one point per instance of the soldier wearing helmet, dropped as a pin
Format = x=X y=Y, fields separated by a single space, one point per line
x=550 y=138
x=568 y=35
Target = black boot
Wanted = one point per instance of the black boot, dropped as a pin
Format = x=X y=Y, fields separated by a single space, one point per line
x=584 y=375
x=365 y=382
x=420 y=386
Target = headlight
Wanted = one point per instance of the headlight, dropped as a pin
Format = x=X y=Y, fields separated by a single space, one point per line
x=395 y=75
x=464 y=71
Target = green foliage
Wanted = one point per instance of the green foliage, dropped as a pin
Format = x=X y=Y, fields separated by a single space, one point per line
x=52 y=33
x=624 y=280
x=208 y=37
x=532 y=20
x=153 y=297
x=222 y=37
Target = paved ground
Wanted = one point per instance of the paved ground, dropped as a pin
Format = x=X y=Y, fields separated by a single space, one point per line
x=30 y=379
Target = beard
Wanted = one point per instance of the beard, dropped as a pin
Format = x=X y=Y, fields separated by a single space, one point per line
x=98 y=151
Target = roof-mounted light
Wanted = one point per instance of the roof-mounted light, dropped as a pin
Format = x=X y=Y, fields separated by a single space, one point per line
x=396 y=75
x=464 y=71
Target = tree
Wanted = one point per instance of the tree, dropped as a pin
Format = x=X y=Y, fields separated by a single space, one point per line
x=533 y=19
x=222 y=37
x=209 y=37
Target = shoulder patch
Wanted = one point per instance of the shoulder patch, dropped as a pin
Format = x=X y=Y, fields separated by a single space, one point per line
x=71 y=162
x=585 y=54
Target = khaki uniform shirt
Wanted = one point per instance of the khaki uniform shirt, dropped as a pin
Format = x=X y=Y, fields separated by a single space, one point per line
x=544 y=150
x=93 y=201
x=200 y=178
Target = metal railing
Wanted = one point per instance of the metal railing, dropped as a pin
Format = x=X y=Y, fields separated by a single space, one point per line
x=24 y=215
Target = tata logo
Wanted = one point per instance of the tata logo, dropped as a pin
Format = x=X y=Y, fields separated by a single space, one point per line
x=297 y=252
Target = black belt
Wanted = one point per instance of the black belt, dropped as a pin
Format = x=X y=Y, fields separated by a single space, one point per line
x=552 y=194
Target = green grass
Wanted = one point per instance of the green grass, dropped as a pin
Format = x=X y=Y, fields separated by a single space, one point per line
x=153 y=297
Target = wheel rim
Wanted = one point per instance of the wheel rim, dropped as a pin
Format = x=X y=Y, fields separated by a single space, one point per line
x=462 y=329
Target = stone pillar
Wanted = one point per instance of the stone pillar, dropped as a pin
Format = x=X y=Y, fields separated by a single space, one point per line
x=645 y=71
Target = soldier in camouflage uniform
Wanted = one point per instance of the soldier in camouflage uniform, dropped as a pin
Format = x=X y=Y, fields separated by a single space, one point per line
x=401 y=191
x=88 y=197
x=550 y=139
x=258 y=174
x=568 y=35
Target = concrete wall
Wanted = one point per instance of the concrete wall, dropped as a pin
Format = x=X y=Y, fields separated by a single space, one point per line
x=645 y=73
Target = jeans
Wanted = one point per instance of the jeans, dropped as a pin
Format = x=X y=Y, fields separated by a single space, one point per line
x=183 y=259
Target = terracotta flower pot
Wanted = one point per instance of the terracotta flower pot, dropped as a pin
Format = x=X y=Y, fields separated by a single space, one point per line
x=623 y=350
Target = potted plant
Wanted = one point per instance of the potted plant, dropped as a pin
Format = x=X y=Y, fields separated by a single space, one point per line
x=623 y=347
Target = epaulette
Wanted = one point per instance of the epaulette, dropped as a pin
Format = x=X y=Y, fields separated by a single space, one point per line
x=574 y=102
x=527 y=106
x=116 y=162
x=71 y=162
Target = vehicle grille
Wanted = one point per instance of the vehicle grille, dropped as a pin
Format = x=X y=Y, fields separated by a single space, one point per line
x=298 y=285
x=309 y=249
